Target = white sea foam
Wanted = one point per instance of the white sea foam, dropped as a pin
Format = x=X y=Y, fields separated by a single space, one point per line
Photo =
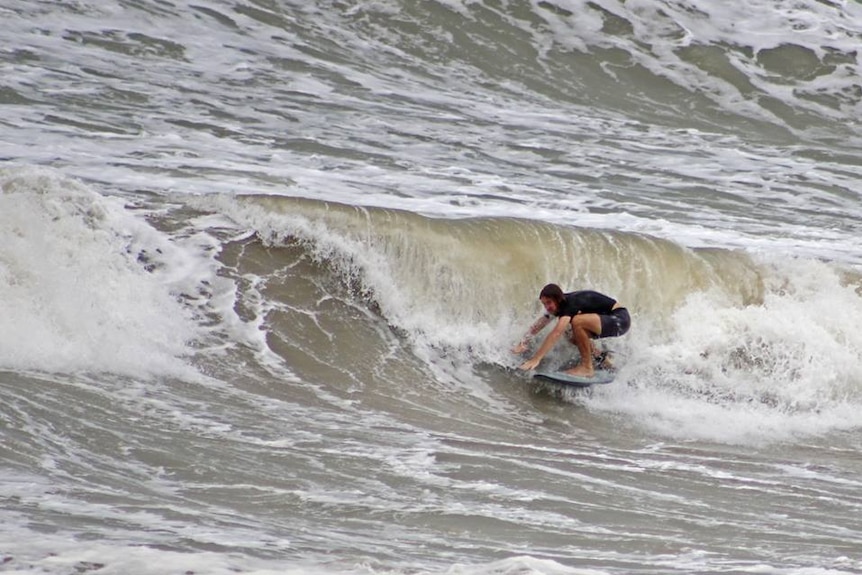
x=56 y=554
x=789 y=367
x=76 y=293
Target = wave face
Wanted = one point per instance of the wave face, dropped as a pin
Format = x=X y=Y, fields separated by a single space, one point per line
x=715 y=327
x=262 y=262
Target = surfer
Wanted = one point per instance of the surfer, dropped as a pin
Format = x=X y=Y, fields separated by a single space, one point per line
x=590 y=314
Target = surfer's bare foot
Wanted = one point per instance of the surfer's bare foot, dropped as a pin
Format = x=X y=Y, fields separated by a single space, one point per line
x=582 y=370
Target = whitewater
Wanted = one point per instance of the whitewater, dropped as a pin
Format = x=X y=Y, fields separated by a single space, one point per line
x=263 y=261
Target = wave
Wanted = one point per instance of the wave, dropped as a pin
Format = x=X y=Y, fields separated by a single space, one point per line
x=85 y=285
x=713 y=329
x=307 y=289
x=420 y=267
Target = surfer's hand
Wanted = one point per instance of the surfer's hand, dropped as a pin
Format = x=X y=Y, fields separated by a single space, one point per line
x=520 y=347
x=529 y=364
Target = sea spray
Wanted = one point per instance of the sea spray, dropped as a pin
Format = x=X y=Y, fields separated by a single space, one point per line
x=84 y=283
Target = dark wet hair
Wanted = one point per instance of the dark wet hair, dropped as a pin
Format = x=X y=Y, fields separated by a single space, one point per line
x=552 y=292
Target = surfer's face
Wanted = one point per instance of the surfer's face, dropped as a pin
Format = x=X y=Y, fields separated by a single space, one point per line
x=550 y=305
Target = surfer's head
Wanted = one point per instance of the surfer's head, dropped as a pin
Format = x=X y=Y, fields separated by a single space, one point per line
x=551 y=297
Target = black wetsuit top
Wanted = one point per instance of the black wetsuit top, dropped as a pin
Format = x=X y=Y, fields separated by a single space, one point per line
x=584 y=301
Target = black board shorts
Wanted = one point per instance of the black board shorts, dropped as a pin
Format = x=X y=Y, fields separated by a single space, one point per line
x=615 y=323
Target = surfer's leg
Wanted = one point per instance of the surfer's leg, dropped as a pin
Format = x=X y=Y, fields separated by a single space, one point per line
x=613 y=324
x=599 y=355
x=584 y=327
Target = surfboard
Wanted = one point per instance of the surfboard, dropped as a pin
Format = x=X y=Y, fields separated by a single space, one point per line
x=601 y=376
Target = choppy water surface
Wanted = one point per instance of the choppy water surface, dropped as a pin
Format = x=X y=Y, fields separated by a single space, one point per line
x=262 y=262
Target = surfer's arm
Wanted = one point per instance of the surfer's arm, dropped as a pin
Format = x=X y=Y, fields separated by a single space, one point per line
x=549 y=342
x=538 y=326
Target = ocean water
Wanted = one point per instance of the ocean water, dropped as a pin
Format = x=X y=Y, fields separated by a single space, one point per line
x=262 y=263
